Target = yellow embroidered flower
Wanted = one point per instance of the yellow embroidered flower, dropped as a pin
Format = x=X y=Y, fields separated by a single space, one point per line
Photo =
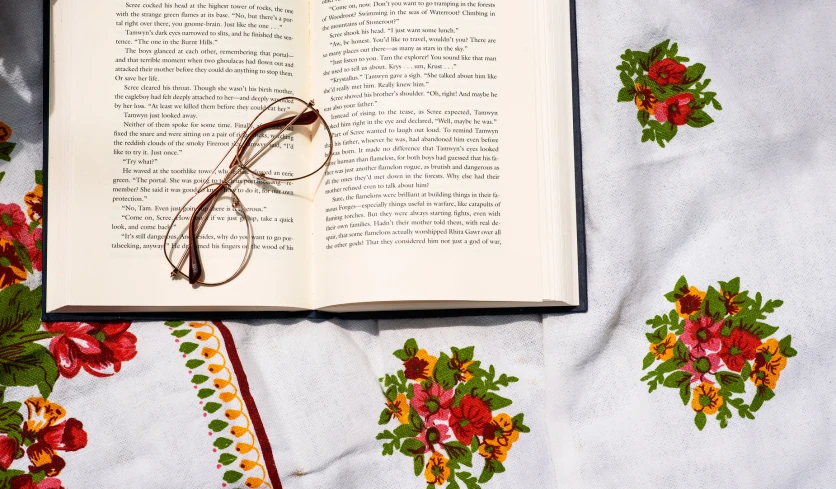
x=42 y=414
x=664 y=349
x=645 y=100
x=437 y=471
x=706 y=398
x=494 y=452
x=399 y=408
x=5 y=132
x=500 y=432
x=768 y=364
x=690 y=303
x=12 y=270
x=420 y=367
x=35 y=203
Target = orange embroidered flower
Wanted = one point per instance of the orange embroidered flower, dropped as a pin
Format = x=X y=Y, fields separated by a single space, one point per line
x=35 y=202
x=689 y=303
x=5 y=132
x=494 y=452
x=768 y=364
x=437 y=471
x=12 y=270
x=399 y=408
x=420 y=367
x=645 y=100
x=500 y=432
x=42 y=414
x=49 y=436
x=706 y=398
x=664 y=349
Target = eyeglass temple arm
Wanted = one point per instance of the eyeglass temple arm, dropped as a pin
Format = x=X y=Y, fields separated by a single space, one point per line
x=195 y=265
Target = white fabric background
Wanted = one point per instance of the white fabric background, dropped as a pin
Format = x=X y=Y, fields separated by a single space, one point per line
x=750 y=195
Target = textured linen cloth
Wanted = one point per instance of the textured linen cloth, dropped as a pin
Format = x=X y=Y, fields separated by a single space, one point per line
x=303 y=404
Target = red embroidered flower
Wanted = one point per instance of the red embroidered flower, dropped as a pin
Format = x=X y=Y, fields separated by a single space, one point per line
x=433 y=435
x=675 y=109
x=35 y=249
x=433 y=405
x=25 y=482
x=68 y=436
x=13 y=224
x=699 y=367
x=99 y=348
x=12 y=270
x=469 y=418
x=8 y=450
x=702 y=335
x=737 y=348
x=667 y=71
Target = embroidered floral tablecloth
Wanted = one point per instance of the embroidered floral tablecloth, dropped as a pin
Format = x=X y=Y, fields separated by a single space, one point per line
x=704 y=359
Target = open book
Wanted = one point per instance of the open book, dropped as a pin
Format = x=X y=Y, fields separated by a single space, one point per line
x=453 y=183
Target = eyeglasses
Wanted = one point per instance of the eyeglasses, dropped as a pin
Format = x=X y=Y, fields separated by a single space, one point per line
x=294 y=115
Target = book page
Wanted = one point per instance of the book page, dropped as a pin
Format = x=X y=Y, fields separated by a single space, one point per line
x=148 y=97
x=432 y=194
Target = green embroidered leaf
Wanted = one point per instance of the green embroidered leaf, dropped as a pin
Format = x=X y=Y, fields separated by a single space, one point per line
x=731 y=381
x=223 y=443
x=28 y=365
x=211 y=407
x=174 y=324
x=746 y=371
x=39 y=177
x=658 y=51
x=180 y=332
x=516 y=424
x=6 y=151
x=11 y=420
x=491 y=467
x=391 y=393
x=227 y=458
x=771 y=305
x=232 y=476
x=672 y=50
x=188 y=347
x=713 y=305
x=680 y=354
x=469 y=480
x=648 y=360
x=763 y=394
x=496 y=402
x=418 y=464
x=700 y=420
x=415 y=420
x=761 y=330
x=459 y=452
x=199 y=379
x=412 y=447
x=627 y=82
x=626 y=94
x=732 y=286
x=218 y=425
x=451 y=483
x=685 y=392
x=463 y=355
x=410 y=347
x=406 y=431
x=386 y=435
x=716 y=104
x=658 y=335
x=677 y=379
x=723 y=415
x=401 y=355
x=23 y=255
x=694 y=73
x=648 y=135
x=643 y=117
x=2 y=174
x=385 y=416
x=444 y=374
x=785 y=347
x=204 y=393
x=194 y=363
x=699 y=118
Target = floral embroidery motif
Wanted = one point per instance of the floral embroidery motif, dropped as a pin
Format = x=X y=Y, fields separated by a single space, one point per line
x=445 y=409
x=717 y=340
x=667 y=93
x=99 y=348
x=206 y=362
x=21 y=242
